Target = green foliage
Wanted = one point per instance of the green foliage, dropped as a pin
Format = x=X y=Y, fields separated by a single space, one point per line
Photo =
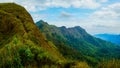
x=80 y=65
x=22 y=55
x=26 y=55
x=115 y=63
x=76 y=44
x=22 y=45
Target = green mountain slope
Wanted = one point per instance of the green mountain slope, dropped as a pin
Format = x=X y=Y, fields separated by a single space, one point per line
x=21 y=42
x=22 y=45
x=54 y=35
x=85 y=46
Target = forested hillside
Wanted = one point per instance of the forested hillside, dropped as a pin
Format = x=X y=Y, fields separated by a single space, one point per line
x=75 y=43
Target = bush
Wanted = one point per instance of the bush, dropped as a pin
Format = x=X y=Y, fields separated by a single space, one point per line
x=26 y=55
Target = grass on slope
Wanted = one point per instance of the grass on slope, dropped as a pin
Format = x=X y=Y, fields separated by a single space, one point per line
x=17 y=54
x=23 y=46
x=114 y=63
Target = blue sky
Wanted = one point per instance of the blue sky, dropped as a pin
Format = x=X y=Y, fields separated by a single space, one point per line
x=96 y=16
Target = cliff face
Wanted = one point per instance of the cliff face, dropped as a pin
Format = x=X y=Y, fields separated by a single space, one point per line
x=21 y=42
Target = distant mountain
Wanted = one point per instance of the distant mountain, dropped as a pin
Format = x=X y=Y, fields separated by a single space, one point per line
x=76 y=43
x=109 y=37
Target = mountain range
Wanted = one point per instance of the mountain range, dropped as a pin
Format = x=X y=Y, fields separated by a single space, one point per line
x=109 y=37
x=85 y=46
x=25 y=44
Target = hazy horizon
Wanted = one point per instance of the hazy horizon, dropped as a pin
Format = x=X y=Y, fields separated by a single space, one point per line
x=95 y=16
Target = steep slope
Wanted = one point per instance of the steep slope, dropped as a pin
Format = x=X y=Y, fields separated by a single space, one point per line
x=109 y=37
x=21 y=42
x=76 y=38
x=54 y=34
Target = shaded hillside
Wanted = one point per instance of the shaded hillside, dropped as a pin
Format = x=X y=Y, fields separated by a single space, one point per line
x=109 y=37
x=76 y=38
x=21 y=42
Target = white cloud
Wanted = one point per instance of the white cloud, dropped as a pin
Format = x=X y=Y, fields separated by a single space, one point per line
x=104 y=20
x=102 y=1
x=108 y=19
x=65 y=15
x=91 y=4
x=6 y=1
x=37 y=17
x=36 y=5
x=111 y=12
